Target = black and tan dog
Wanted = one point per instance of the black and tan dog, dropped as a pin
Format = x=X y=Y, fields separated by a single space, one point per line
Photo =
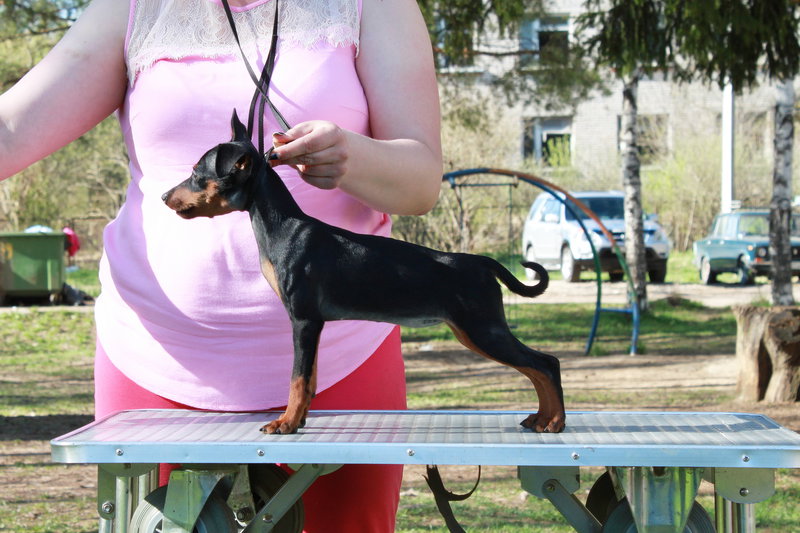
x=324 y=273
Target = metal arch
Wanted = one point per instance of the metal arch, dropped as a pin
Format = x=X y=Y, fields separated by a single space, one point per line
x=552 y=189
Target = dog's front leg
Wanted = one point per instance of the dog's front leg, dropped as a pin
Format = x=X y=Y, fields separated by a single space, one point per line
x=304 y=378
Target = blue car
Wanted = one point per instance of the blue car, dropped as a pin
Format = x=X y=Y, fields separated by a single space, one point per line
x=739 y=243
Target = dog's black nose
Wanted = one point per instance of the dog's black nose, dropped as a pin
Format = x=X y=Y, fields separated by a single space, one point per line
x=165 y=196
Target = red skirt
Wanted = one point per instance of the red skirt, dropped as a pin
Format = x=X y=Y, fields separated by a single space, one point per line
x=355 y=498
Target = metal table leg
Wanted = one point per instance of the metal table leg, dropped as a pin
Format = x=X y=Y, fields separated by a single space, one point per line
x=120 y=487
x=734 y=517
x=660 y=498
x=737 y=490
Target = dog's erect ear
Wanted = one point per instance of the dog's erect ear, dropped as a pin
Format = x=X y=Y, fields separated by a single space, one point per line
x=238 y=130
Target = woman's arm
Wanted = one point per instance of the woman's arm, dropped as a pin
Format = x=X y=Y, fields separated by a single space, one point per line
x=399 y=168
x=80 y=82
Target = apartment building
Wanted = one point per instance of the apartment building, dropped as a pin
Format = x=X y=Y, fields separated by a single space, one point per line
x=589 y=132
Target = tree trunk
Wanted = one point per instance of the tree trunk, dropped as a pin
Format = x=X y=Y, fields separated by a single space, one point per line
x=751 y=355
x=768 y=353
x=780 y=246
x=632 y=185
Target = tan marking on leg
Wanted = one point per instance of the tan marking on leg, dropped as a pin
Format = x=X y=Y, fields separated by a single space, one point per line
x=300 y=394
x=550 y=417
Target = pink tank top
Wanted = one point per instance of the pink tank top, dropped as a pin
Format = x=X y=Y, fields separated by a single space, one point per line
x=184 y=310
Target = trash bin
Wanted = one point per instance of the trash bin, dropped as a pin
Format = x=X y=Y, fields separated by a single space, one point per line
x=31 y=265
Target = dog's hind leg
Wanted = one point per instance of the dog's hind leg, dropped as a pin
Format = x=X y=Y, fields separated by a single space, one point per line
x=304 y=378
x=495 y=341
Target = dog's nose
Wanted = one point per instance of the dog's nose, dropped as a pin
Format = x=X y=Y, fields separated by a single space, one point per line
x=165 y=196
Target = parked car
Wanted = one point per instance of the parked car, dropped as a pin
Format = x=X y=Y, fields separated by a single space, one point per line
x=553 y=237
x=739 y=243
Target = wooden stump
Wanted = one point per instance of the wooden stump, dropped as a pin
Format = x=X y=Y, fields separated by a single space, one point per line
x=768 y=353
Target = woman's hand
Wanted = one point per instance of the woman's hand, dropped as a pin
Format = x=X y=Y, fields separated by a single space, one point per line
x=318 y=150
x=398 y=168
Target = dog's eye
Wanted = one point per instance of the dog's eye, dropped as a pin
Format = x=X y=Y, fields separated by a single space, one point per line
x=243 y=162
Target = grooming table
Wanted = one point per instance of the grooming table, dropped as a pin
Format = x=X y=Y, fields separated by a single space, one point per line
x=655 y=459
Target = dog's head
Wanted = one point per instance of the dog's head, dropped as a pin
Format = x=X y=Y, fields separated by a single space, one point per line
x=220 y=181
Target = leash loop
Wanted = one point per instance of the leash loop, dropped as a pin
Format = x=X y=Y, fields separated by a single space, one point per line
x=261 y=95
x=443 y=497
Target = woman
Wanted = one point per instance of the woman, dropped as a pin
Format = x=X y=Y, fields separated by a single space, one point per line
x=184 y=318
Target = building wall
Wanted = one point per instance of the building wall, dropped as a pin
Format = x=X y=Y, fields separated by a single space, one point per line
x=593 y=126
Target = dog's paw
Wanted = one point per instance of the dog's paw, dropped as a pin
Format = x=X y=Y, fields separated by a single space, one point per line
x=541 y=423
x=279 y=427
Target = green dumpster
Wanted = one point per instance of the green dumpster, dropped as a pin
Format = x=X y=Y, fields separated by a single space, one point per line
x=31 y=265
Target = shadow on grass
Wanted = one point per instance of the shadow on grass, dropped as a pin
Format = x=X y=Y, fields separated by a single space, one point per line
x=44 y=427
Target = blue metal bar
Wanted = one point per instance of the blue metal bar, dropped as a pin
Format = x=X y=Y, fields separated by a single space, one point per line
x=551 y=188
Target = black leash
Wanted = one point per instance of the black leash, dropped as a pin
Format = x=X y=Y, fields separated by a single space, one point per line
x=261 y=96
x=443 y=497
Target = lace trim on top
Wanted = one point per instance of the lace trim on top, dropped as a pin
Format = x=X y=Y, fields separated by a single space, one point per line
x=176 y=29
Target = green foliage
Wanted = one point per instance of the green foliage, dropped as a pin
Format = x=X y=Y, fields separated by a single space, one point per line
x=454 y=24
x=23 y=18
x=626 y=34
x=558 y=82
x=89 y=176
x=733 y=41
x=683 y=186
x=737 y=40
x=86 y=178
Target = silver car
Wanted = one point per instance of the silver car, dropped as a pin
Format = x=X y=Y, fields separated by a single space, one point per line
x=553 y=237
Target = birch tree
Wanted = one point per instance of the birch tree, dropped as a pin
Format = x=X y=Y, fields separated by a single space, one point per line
x=742 y=42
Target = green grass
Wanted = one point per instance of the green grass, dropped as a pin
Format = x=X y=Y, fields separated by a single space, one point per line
x=86 y=280
x=673 y=326
x=46 y=385
x=498 y=505
x=46 y=362
x=681 y=269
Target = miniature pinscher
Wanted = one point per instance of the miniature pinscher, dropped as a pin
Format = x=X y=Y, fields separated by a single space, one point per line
x=323 y=273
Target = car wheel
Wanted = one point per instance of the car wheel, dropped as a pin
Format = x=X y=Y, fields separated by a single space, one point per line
x=616 y=276
x=707 y=275
x=530 y=257
x=743 y=274
x=568 y=269
x=658 y=275
x=215 y=517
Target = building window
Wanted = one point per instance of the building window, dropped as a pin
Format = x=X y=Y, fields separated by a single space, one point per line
x=651 y=137
x=549 y=140
x=543 y=37
x=444 y=61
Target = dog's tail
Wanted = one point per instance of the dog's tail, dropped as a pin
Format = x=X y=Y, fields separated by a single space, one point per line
x=514 y=285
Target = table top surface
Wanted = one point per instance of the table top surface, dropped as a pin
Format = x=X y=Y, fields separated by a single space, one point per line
x=735 y=440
